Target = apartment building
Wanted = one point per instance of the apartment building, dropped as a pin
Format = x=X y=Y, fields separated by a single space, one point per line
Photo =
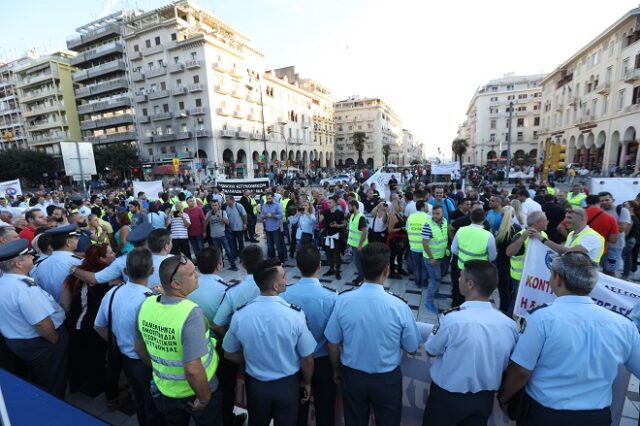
x=486 y=127
x=591 y=102
x=12 y=133
x=47 y=101
x=105 y=104
x=412 y=149
x=377 y=120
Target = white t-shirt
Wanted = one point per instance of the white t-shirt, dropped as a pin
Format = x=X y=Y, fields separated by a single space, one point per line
x=623 y=217
x=591 y=242
x=529 y=206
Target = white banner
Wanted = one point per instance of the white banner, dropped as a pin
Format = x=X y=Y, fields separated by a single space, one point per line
x=445 y=168
x=150 y=188
x=622 y=189
x=10 y=187
x=521 y=175
x=381 y=180
x=236 y=187
x=534 y=290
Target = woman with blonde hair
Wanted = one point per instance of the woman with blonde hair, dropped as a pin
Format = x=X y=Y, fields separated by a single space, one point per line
x=518 y=217
x=506 y=233
x=395 y=239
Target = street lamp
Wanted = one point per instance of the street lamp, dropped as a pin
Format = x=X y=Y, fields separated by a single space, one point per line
x=195 y=137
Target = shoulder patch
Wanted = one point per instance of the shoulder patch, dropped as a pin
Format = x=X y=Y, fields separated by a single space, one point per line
x=229 y=286
x=295 y=307
x=39 y=261
x=346 y=290
x=448 y=311
x=532 y=310
x=149 y=293
x=241 y=306
x=398 y=296
x=326 y=287
x=77 y=257
x=224 y=283
x=30 y=282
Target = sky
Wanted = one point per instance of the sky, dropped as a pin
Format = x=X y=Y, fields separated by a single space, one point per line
x=424 y=58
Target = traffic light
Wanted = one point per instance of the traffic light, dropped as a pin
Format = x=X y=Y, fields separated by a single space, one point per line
x=8 y=135
x=558 y=156
x=176 y=164
x=269 y=129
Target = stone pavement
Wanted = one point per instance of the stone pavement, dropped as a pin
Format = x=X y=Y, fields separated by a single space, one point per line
x=402 y=287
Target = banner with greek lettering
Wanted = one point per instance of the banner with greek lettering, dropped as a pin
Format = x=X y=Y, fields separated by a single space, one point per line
x=236 y=187
x=534 y=290
x=10 y=187
x=381 y=179
x=150 y=188
x=445 y=168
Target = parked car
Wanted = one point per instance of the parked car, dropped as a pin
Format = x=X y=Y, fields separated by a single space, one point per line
x=333 y=180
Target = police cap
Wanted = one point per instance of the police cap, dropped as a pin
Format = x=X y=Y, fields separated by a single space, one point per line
x=13 y=249
x=60 y=230
x=139 y=233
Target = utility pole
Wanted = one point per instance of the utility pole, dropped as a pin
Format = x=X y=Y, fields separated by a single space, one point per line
x=264 y=131
x=509 y=141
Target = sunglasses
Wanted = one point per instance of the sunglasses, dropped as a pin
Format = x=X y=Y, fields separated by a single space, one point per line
x=183 y=261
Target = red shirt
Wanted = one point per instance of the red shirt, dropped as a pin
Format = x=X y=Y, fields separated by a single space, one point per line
x=197 y=218
x=603 y=223
x=28 y=233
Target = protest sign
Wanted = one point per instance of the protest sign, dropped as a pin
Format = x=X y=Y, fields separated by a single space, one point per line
x=381 y=179
x=10 y=187
x=445 y=168
x=236 y=187
x=150 y=188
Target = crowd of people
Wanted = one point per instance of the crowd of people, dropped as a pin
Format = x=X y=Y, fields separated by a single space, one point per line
x=115 y=284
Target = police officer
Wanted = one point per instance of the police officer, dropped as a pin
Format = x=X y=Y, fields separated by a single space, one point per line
x=32 y=320
x=273 y=358
x=570 y=352
x=52 y=272
x=316 y=301
x=372 y=326
x=120 y=307
x=462 y=392
x=173 y=335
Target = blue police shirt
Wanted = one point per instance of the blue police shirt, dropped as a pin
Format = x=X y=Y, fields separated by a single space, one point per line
x=317 y=303
x=22 y=305
x=574 y=348
x=372 y=326
x=478 y=332
x=209 y=294
x=273 y=336
x=235 y=296
x=52 y=272
x=114 y=271
x=154 y=279
x=124 y=311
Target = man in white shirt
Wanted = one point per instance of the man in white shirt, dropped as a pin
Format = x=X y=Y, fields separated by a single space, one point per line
x=614 y=250
x=528 y=205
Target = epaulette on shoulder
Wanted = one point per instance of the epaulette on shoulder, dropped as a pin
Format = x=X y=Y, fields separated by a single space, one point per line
x=77 y=257
x=454 y=309
x=398 y=296
x=346 y=290
x=532 y=310
x=229 y=286
x=295 y=307
x=30 y=282
x=39 y=261
x=326 y=287
x=241 y=306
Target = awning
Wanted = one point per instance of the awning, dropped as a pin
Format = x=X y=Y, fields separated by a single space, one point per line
x=167 y=169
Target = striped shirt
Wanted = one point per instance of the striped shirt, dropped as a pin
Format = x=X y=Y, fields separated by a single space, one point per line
x=178 y=228
x=427 y=234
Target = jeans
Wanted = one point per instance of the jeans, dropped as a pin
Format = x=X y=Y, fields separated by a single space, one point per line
x=250 y=233
x=626 y=256
x=434 y=273
x=178 y=412
x=236 y=242
x=223 y=242
x=610 y=260
x=275 y=241
x=356 y=259
x=197 y=242
x=139 y=376
x=419 y=270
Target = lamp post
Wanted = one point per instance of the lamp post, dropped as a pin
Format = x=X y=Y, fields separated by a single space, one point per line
x=509 y=141
x=195 y=137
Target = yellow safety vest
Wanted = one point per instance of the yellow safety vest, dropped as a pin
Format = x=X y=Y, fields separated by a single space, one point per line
x=161 y=328
x=517 y=262
x=581 y=235
x=99 y=233
x=354 y=232
x=551 y=190
x=439 y=239
x=254 y=205
x=283 y=203
x=576 y=200
x=415 y=222
x=473 y=243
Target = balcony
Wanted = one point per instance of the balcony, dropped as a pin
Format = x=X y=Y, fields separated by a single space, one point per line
x=39 y=110
x=37 y=94
x=223 y=111
x=632 y=76
x=113 y=137
x=158 y=94
x=283 y=120
x=632 y=108
x=143 y=119
x=161 y=116
x=223 y=89
x=135 y=56
x=43 y=125
x=90 y=36
x=605 y=88
x=167 y=137
x=114 y=120
x=194 y=63
x=106 y=68
x=183 y=135
x=243 y=135
x=197 y=87
x=256 y=136
x=524 y=100
x=238 y=93
x=156 y=72
x=119 y=83
x=34 y=79
x=573 y=101
x=152 y=50
x=106 y=49
x=253 y=97
x=179 y=91
x=174 y=68
x=253 y=116
x=203 y=133
x=120 y=102
x=220 y=66
x=559 y=106
x=140 y=98
x=137 y=76
x=235 y=72
x=239 y=113
x=227 y=133
x=182 y=113
x=198 y=111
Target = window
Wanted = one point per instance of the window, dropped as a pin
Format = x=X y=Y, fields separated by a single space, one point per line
x=180 y=105
x=150 y=65
x=153 y=88
x=608 y=75
x=157 y=41
x=194 y=55
x=163 y=85
x=625 y=66
x=535 y=134
x=492 y=137
x=196 y=79
x=179 y=82
x=605 y=105
x=522 y=96
x=160 y=63
x=163 y=149
x=168 y=130
x=150 y=151
x=174 y=36
x=494 y=99
x=144 y=112
x=176 y=59
x=536 y=121
x=635 y=100
x=172 y=148
x=493 y=124
x=165 y=107
x=147 y=43
x=520 y=122
x=611 y=48
x=198 y=103
x=520 y=137
x=620 y=99
x=136 y=48
x=637 y=64
x=510 y=97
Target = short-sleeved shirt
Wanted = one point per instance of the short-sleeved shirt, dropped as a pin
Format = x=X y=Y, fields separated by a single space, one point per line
x=574 y=349
x=196 y=215
x=52 y=272
x=114 y=271
x=216 y=224
x=601 y=222
x=372 y=326
x=495 y=219
x=478 y=332
x=623 y=217
x=179 y=230
x=590 y=242
x=235 y=214
x=234 y=297
x=209 y=294
x=269 y=325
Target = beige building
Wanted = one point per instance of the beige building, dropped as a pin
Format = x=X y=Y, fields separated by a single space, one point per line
x=47 y=101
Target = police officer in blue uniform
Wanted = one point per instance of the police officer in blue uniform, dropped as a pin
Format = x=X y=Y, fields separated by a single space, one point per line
x=371 y=326
x=272 y=337
x=31 y=320
x=472 y=344
x=570 y=352
x=52 y=272
x=316 y=301
x=122 y=304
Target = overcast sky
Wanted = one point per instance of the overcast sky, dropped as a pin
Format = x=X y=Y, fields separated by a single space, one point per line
x=424 y=58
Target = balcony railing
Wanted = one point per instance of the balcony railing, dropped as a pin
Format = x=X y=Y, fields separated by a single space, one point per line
x=178 y=91
x=27 y=81
x=106 y=49
x=632 y=75
x=140 y=98
x=137 y=76
x=243 y=135
x=198 y=111
x=605 y=88
x=156 y=72
x=161 y=116
x=113 y=137
x=223 y=111
x=223 y=88
x=203 y=133
x=183 y=135
x=158 y=94
x=164 y=137
x=39 y=110
x=111 y=66
x=104 y=105
x=193 y=63
x=197 y=87
x=227 y=133
x=151 y=50
x=93 y=35
x=119 y=83
x=36 y=94
x=174 y=68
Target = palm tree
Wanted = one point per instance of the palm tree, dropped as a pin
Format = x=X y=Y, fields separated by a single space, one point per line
x=386 y=150
x=358 y=139
x=459 y=147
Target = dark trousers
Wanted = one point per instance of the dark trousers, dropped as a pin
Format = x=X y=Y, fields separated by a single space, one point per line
x=541 y=415
x=181 y=245
x=177 y=411
x=446 y=408
x=87 y=352
x=382 y=391
x=333 y=259
x=324 y=395
x=227 y=374
x=47 y=362
x=457 y=299
x=278 y=400
x=197 y=242
x=275 y=241
x=250 y=233
x=223 y=243
x=504 y=285
x=139 y=377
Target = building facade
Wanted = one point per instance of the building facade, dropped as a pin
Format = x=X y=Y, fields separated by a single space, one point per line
x=377 y=120
x=591 y=103
x=47 y=101
x=486 y=127
x=12 y=133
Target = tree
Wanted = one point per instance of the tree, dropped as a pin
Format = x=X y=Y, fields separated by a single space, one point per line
x=358 y=139
x=27 y=164
x=119 y=157
x=459 y=147
x=386 y=150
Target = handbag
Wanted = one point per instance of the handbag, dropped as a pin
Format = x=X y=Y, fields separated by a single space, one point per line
x=519 y=404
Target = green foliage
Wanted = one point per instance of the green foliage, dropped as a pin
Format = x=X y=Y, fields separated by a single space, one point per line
x=386 y=150
x=116 y=157
x=358 y=139
x=459 y=148
x=27 y=164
